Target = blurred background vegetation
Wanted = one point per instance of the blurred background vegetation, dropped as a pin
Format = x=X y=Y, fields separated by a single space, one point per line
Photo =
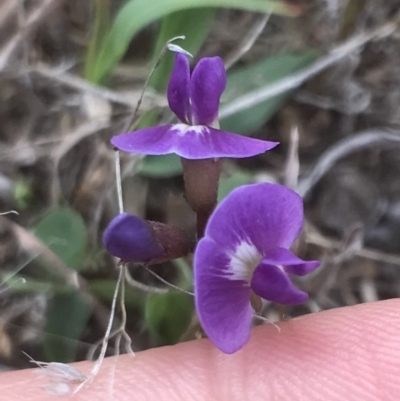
x=320 y=76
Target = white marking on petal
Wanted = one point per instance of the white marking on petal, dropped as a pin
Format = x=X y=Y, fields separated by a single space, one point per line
x=182 y=129
x=244 y=260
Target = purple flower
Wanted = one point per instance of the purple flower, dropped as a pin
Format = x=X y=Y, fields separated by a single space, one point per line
x=194 y=99
x=246 y=249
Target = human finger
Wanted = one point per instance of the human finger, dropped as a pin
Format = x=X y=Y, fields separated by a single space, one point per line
x=350 y=353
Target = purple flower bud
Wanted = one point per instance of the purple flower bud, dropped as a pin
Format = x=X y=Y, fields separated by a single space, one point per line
x=133 y=239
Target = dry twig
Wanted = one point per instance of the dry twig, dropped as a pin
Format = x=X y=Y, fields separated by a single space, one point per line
x=294 y=81
x=7 y=9
x=248 y=41
x=316 y=238
x=343 y=148
x=31 y=23
x=292 y=166
x=82 y=85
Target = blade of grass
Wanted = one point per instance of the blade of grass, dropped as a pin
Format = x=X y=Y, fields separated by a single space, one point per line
x=136 y=14
x=101 y=26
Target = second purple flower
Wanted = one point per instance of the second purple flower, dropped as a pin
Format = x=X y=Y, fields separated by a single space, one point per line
x=245 y=251
x=194 y=98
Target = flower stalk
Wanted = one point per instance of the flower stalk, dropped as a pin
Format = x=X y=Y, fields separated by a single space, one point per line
x=201 y=188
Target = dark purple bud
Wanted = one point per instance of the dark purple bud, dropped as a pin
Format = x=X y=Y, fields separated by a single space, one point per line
x=136 y=240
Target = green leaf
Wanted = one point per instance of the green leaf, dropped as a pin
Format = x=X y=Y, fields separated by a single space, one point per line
x=160 y=166
x=100 y=28
x=167 y=316
x=185 y=273
x=137 y=14
x=251 y=77
x=235 y=180
x=193 y=25
x=104 y=290
x=66 y=319
x=64 y=233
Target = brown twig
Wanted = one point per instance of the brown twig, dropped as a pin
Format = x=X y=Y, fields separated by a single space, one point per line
x=248 y=41
x=316 y=238
x=81 y=132
x=31 y=23
x=337 y=54
x=6 y=9
x=345 y=147
x=82 y=85
x=292 y=165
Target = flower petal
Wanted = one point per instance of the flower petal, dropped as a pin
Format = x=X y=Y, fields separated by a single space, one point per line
x=130 y=238
x=218 y=143
x=148 y=141
x=265 y=215
x=207 y=83
x=201 y=142
x=271 y=283
x=178 y=88
x=222 y=302
x=291 y=263
x=191 y=142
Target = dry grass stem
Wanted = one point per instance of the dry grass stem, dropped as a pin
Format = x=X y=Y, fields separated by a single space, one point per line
x=248 y=41
x=80 y=84
x=97 y=365
x=343 y=148
x=31 y=23
x=292 y=166
x=355 y=43
x=7 y=9
x=316 y=238
x=143 y=287
x=166 y=282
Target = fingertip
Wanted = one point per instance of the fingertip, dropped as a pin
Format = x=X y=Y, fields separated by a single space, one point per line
x=350 y=353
